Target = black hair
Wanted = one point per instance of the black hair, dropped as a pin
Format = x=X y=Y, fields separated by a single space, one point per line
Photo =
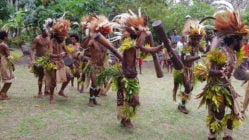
x=75 y=36
x=3 y=34
x=133 y=36
x=229 y=40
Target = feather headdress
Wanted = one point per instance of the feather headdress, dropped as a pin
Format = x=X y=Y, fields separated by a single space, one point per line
x=222 y=6
x=130 y=21
x=230 y=24
x=103 y=25
x=119 y=21
x=58 y=26
x=61 y=28
x=137 y=22
x=48 y=25
x=193 y=29
x=97 y=23
x=86 y=22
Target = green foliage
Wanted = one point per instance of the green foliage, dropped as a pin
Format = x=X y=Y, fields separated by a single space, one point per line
x=131 y=87
x=200 y=72
x=178 y=76
x=217 y=57
x=19 y=40
x=46 y=63
x=246 y=16
x=36 y=11
x=128 y=111
x=218 y=127
x=5 y=10
x=107 y=74
x=175 y=16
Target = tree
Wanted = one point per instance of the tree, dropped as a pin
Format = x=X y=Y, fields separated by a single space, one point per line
x=175 y=15
x=5 y=10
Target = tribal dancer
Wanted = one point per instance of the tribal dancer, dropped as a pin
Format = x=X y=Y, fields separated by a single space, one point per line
x=134 y=35
x=219 y=93
x=189 y=54
x=98 y=27
x=6 y=66
x=73 y=51
x=59 y=73
x=40 y=47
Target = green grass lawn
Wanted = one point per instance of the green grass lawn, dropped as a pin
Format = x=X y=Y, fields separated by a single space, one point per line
x=27 y=118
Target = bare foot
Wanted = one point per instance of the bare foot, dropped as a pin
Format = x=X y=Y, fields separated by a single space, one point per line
x=129 y=125
x=71 y=88
x=52 y=100
x=46 y=93
x=1 y=97
x=95 y=102
x=103 y=94
x=61 y=93
x=91 y=104
x=4 y=97
x=81 y=91
x=39 y=95
x=183 y=109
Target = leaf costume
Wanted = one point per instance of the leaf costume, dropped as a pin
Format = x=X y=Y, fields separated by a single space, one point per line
x=6 y=65
x=219 y=94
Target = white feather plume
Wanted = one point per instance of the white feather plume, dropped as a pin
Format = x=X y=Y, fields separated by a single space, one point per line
x=48 y=25
x=132 y=13
x=222 y=4
x=190 y=23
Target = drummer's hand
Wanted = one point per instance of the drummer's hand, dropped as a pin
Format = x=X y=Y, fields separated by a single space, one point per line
x=160 y=47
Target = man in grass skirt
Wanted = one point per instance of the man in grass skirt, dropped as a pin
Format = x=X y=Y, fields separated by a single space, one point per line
x=39 y=49
x=6 y=65
x=56 y=71
x=135 y=33
x=190 y=53
x=73 y=52
x=219 y=94
x=98 y=27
